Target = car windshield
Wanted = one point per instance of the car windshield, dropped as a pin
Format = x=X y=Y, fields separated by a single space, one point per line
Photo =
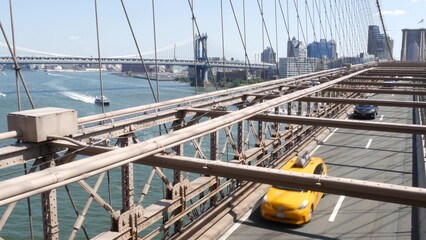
x=365 y=106
x=289 y=188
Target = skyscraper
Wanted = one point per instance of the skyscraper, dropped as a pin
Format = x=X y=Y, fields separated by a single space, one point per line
x=291 y=47
x=268 y=55
x=377 y=44
x=322 y=49
x=298 y=62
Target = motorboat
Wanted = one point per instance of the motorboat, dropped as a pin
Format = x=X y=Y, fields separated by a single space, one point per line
x=100 y=100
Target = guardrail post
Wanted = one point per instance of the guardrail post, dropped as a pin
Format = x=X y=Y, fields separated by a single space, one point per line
x=49 y=205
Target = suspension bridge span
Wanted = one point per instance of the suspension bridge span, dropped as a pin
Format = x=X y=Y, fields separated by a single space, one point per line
x=198 y=167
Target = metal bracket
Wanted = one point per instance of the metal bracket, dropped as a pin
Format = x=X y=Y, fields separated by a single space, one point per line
x=176 y=193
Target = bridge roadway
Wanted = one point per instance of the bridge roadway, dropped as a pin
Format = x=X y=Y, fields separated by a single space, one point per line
x=359 y=154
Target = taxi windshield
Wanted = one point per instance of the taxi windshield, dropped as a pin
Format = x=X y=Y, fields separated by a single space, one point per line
x=289 y=188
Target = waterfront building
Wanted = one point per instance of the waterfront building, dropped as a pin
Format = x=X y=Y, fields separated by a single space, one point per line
x=413 y=45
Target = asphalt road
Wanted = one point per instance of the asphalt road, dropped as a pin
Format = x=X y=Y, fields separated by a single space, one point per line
x=365 y=155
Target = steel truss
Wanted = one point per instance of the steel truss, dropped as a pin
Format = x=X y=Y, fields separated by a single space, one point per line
x=218 y=148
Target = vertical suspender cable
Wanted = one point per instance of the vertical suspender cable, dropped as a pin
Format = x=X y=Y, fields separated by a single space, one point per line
x=276 y=36
x=352 y=28
x=155 y=54
x=306 y=24
x=156 y=61
x=296 y=4
x=99 y=57
x=324 y=29
x=315 y=36
x=223 y=40
x=361 y=28
x=195 y=49
x=262 y=75
x=341 y=30
x=101 y=83
x=336 y=28
x=245 y=37
x=286 y=24
x=241 y=37
x=264 y=28
x=18 y=92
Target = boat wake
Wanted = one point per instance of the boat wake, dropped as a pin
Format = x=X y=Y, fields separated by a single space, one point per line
x=79 y=96
x=56 y=74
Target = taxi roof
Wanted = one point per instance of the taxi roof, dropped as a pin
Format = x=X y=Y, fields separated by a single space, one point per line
x=304 y=163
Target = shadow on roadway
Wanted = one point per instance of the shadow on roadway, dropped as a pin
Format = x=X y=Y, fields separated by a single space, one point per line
x=256 y=221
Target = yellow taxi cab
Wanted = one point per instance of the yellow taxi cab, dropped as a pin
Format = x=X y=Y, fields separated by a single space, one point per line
x=292 y=205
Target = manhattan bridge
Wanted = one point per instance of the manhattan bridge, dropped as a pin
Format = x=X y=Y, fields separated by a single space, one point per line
x=210 y=157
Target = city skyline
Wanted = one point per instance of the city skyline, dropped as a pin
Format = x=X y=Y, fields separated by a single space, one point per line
x=69 y=27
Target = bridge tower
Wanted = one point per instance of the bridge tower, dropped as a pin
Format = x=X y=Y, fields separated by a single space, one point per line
x=413 y=45
x=201 y=68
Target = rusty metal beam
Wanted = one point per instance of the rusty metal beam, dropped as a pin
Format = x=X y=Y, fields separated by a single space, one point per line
x=385 y=84
x=350 y=187
x=389 y=103
x=29 y=185
x=328 y=122
x=379 y=91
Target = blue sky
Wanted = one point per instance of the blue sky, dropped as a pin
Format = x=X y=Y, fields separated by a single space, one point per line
x=68 y=27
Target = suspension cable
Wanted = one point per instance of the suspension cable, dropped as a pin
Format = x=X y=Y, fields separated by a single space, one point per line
x=352 y=29
x=267 y=33
x=99 y=58
x=340 y=29
x=155 y=53
x=286 y=24
x=17 y=67
x=12 y=27
x=315 y=35
x=331 y=53
x=194 y=51
x=245 y=37
x=296 y=5
x=384 y=30
x=223 y=40
x=18 y=95
x=139 y=52
x=241 y=37
x=276 y=33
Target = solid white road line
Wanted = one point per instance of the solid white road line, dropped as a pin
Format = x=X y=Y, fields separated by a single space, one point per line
x=325 y=139
x=369 y=143
x=336 y=209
